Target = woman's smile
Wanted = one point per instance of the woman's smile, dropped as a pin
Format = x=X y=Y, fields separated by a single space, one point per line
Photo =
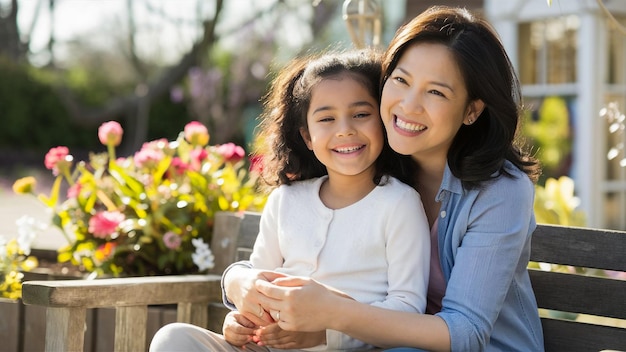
x=407 y=127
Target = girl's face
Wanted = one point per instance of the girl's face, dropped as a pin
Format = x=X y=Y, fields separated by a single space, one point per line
x=344 y=127
x=425 y=102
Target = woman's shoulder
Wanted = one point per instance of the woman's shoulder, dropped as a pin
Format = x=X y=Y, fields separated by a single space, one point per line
x=512 y=183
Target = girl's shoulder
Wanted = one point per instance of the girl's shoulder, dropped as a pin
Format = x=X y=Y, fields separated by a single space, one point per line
x=298 y=189
x=393 y=189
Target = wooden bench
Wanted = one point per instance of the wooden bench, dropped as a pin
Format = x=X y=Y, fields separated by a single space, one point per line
x=199 y=296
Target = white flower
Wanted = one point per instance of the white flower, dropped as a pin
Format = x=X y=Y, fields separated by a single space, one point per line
x=199 y=244
x=203 y=257
x=27 y=230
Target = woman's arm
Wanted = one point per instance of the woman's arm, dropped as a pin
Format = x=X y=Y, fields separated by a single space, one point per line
x=306 y=305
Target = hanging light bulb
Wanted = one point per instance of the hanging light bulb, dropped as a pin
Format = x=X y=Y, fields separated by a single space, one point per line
x=364 y=21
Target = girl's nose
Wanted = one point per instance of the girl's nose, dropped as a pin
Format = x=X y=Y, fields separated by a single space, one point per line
x=346 y=127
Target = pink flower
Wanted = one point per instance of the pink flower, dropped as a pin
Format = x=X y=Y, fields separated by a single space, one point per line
x=197 y=156
x=58 y=160
x=157 y=144
x=148 y=158
x=105 y=223
x=172 y=240
x=179 y=165
x=256 y=163
x=110 y=133
x=74 y=190
x=231 y=152
x=196 y=133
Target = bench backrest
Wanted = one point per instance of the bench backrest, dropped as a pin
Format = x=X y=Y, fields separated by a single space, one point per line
x=572 y=293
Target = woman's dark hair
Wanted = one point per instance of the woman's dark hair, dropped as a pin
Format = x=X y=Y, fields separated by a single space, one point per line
x=479 y=150
x=282 y=150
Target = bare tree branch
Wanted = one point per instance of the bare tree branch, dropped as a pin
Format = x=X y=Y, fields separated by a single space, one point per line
x=121 y=106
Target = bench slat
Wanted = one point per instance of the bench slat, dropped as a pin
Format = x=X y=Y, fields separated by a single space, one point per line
x=579 y=247
x=579 y=294
x=130 y=328
x=568 y=336
x=65 y=329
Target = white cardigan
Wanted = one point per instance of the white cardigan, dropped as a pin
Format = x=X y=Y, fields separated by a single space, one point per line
x=376 y=250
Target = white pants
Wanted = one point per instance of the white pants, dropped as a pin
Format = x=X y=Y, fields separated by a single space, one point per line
x=183 y=337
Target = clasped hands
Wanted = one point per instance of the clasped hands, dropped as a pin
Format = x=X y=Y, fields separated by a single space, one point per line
x=266 y=317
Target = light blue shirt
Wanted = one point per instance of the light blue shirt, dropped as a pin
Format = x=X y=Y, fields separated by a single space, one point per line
x=484 y=246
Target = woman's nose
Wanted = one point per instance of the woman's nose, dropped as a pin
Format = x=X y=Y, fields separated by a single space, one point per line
x=411 y=104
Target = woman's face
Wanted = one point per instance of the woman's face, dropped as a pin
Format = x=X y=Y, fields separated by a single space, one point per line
x=425 y=102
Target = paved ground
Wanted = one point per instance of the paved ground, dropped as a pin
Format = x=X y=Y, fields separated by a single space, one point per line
x=13 y=206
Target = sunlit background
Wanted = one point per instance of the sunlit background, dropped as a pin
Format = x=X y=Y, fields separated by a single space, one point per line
x=66 y=66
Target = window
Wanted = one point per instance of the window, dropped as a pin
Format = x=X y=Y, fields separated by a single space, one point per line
x=547 y=51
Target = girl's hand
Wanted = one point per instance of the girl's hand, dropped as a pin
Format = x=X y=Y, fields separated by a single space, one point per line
x=304 y=304
x=237 y=329
x=273 y=336
x=240 y=289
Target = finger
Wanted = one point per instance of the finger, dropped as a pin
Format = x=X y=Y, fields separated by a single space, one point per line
x=271 y=291
x=271 y=275
x=275 y=314
x=290 y=281
x=256 y=320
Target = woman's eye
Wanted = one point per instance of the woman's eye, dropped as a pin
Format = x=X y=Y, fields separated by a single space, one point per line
x=399 y=79
x=436 y=92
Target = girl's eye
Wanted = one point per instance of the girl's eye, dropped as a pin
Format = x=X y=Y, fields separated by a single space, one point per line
x=362 y=115
x=326 y=119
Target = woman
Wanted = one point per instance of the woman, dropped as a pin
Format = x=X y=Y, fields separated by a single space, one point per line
x=451 y=100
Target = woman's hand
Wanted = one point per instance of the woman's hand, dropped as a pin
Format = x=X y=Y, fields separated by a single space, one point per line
x=237 y=329
x=304 y=304
x=273 y=336
x=240 y=289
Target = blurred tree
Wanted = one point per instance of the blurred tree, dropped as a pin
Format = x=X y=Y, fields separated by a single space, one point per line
x=11 y=45
x=235 y=76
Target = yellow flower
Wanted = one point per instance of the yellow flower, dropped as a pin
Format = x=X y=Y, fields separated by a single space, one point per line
x=25 y=185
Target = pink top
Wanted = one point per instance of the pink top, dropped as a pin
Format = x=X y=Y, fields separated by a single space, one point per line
x=437 y=283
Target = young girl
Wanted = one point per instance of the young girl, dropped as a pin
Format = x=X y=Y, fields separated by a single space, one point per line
x=336 y=212
x=451 y=100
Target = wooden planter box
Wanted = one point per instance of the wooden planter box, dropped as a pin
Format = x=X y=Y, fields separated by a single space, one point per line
x=23 y=327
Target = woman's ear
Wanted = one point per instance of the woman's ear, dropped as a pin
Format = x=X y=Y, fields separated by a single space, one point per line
x=306 y=137
x=474 y=109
